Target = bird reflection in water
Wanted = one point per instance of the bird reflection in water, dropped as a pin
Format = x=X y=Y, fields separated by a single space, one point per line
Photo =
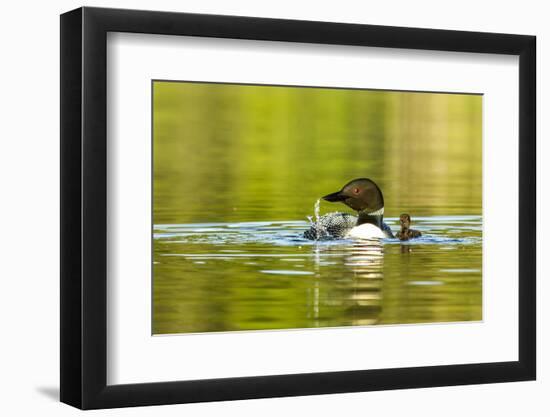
x=358 y=292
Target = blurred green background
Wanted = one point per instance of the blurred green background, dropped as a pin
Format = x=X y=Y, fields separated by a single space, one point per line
x=225 y=155
x=239 y=153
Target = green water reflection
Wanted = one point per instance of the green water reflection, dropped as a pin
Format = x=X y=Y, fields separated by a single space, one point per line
x=237 y=170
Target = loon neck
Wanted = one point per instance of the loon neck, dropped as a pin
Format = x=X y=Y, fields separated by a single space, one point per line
x=374 y=217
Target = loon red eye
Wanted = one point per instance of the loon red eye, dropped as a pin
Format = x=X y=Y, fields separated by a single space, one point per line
x=356 y=190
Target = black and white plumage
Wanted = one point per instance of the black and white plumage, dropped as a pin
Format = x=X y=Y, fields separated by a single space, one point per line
x=337 y=226
x=331 y=225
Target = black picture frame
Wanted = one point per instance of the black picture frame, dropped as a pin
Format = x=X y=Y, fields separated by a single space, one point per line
x=84 y=207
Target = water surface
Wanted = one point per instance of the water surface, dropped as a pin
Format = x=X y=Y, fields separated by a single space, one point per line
x=263 y=275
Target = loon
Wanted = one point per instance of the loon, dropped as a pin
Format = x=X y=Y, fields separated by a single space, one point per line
x=406 y=232
x=363 y=196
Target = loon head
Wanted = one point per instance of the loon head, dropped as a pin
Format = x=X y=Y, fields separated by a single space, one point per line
x=361 y=194
x=405 y=221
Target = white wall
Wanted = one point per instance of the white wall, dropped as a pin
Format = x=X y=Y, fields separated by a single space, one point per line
x=29 y=100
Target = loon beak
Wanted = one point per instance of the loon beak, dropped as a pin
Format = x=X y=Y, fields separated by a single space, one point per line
x=337 y=196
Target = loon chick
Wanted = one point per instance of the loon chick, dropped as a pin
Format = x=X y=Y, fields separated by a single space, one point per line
x=363 y=196
x=406 y=232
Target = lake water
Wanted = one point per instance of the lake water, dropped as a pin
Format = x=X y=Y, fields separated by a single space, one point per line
x=263 y=275
x=237 y=171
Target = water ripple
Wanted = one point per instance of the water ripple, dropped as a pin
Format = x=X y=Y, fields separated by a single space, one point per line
x=436 y=230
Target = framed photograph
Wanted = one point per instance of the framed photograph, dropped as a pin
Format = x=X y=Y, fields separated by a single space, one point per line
x=260 y=208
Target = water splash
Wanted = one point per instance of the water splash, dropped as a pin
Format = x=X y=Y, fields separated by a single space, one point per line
x=316 y=225
x=315 y=213
x=316 y=210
